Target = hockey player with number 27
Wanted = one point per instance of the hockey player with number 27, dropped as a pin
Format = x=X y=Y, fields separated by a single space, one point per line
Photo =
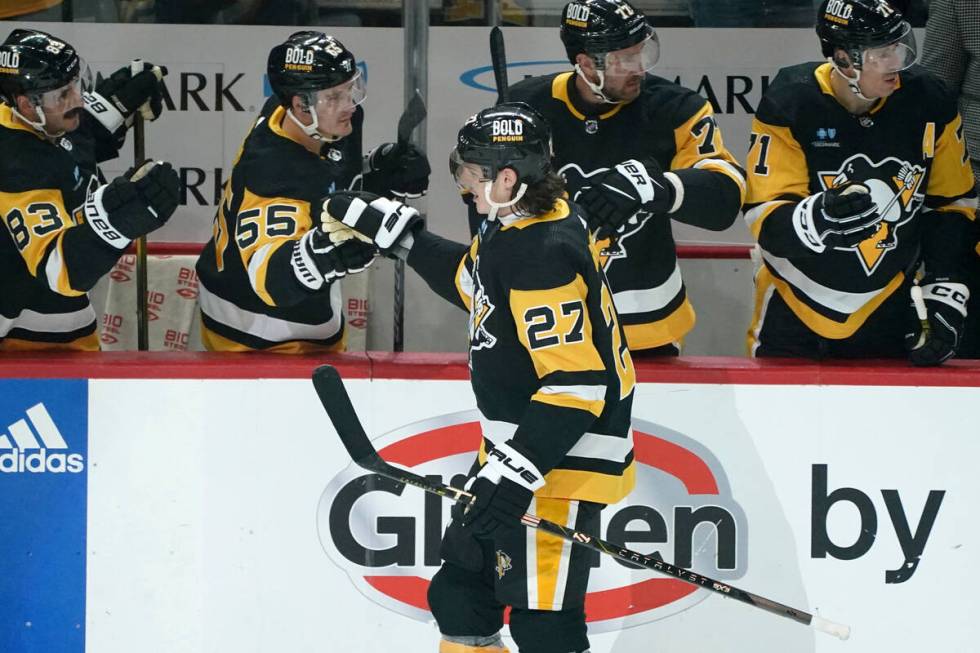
x=552 y=376
x=858 y=174
x=64 y=227
x=269 y=275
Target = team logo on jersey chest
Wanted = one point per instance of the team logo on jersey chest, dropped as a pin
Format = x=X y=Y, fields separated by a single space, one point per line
x=480 y=337
x=896 y=188
x=578 y=181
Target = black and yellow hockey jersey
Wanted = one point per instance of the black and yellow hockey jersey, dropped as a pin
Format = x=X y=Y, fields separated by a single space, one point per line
x=908 y=150
x=49 y=256
x=676 y=127
x=549 y=365
x=250 y=298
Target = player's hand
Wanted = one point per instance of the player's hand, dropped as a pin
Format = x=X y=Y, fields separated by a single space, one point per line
x=369 y=217
x=936 y=341
x=843 y=216
x=401 y=169
x=129 y=92
x=133 y=205
x=619 y=193
x=502 y=491
x=317 y=261
x=118 y=97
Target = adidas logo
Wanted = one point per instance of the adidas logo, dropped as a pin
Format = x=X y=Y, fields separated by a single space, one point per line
x=19 y=456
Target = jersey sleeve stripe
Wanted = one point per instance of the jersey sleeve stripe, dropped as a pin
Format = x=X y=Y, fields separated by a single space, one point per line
x=729 y=169
x=257 y=268
x=755 y=216
x=56 y=272
x=649 y=299
x=609 y=448
x=821 y=324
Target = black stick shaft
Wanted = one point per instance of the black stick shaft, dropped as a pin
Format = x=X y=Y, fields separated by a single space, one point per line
x=498 y=59
x=142 y=301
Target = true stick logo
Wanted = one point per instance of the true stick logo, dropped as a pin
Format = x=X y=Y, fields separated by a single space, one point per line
x=40 y=450
x=387 y=538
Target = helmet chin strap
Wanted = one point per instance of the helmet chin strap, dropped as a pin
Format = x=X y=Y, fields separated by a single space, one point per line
x=597 y=88
x=38 y=125
x=313 y=129
x=852 y=82
x=496 y=206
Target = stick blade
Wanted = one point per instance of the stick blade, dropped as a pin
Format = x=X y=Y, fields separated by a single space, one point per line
x=333 y=395
x=411 y=117
x=498 y=59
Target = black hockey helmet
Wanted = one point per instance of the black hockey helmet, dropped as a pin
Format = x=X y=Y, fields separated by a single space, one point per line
x=858 y=26
x=508 y=135
x=308 y=62
x=595 y=27
x=34 y=62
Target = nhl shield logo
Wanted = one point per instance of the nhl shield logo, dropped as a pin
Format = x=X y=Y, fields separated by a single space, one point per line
x=591 y=126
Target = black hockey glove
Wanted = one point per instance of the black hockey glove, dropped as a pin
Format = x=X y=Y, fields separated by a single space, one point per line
x=618 y=194
x=934 y=341
x=369 y=217
x=502 y=490
x=402 y=171
x=843 y=216
x=133 y=205
x=317 y=261
x=117 y=98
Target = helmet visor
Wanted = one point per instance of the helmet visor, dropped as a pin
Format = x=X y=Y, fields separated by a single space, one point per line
x=636 y=59
x=893 y=57
x=68 y=96
x=469 y=177
x=343 y=96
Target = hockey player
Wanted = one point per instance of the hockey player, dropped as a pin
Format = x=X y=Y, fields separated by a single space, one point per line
x=636 y=151
x=552 y=376
x=268 y=275
x=857 y=172
x=64 y=227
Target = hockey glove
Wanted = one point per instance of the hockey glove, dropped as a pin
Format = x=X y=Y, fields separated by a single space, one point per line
x=379 y=220
x=402 y=171
x=317 y=261
x=502 y=490
x=117 y=98
x=843 y=217
x=936 y=340
x=618 y=194
x=133 y=205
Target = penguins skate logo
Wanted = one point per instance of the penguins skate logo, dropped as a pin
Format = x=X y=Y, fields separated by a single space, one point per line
x=480 y=337
x=578 y=181
x=896 y=189
x=387 y=538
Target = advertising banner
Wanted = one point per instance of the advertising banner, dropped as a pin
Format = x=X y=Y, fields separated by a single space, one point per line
x=212 y=515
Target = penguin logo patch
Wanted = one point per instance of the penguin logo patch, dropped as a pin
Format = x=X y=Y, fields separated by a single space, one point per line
x=504 y=563
x=897 y=190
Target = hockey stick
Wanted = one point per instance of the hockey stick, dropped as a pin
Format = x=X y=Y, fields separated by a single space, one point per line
x=411 y=117
x=330 y=389
x=142 y=301
x=498 y=59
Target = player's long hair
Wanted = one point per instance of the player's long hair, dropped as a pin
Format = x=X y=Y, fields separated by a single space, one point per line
x=540 y=197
